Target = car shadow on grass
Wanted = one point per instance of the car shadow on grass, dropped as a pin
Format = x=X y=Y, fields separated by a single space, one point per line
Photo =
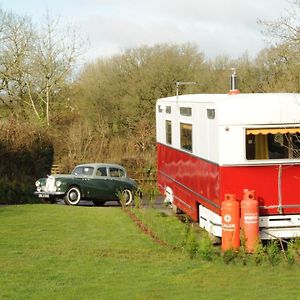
x=91 y=204
x=158 y=203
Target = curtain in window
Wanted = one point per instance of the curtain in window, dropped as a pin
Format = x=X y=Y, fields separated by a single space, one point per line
x=261 y=146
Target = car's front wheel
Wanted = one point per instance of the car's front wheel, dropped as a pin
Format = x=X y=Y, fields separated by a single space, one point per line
x=128 y=196
x=72 y=196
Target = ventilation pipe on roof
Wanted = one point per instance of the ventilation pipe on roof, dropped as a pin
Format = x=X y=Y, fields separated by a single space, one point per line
x=233 y=83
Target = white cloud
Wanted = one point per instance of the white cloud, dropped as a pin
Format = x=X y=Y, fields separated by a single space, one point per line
x=217 y=26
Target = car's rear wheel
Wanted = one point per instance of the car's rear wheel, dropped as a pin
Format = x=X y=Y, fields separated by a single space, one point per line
x=72 y=196
x=128 y=196
x=98 y=202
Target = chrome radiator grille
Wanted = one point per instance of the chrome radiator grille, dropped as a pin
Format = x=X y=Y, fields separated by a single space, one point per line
x=50 y=185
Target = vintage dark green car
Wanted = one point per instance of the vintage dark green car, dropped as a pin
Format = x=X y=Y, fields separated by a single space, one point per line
x=96 y=182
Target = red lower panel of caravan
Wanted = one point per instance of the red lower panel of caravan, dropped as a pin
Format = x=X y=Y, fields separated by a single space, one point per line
x=193 y=180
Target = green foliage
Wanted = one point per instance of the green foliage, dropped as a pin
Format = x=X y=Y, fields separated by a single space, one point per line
x=26 y=154
x=122 y=92
x=18 y=190
x=206 y=249
x=290 y=258
x=177 y=234
x=122 y=198
x=229 y=256
x=124 y=88
x=137 y=200
x=293 y=251
x=259 y=254
x=151 y=196
x=186 y=232
x=192 y=246
x=197 y=244
x=243 y=254
x=273 y=252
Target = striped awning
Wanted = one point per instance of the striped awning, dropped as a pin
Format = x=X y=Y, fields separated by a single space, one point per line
x=256 y=131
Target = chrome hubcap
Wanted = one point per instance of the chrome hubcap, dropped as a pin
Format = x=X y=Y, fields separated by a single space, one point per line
x=73 y=196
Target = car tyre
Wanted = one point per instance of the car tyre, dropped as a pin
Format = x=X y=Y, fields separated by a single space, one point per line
x=128 y=196
x=73 y=196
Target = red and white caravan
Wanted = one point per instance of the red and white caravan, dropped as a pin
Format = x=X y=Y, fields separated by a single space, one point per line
x=211 y=145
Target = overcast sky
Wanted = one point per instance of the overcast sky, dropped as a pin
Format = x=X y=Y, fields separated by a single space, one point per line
x=218 y=27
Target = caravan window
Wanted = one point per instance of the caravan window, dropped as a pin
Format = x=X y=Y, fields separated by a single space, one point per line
x=272 y=143
x=168 y=132
x=186 y=111
x=186 y=141
x=211 y=113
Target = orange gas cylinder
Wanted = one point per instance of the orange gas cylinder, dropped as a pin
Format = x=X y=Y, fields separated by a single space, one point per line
x=230 y=223
x=249 y=220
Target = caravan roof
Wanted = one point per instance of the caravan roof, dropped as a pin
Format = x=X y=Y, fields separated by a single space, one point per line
x=256 y=109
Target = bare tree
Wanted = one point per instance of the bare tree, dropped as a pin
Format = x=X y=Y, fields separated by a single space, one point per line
x=54 y=57
x=16 y=40
x=35 y=64
x=287 y=29
x=285 y=53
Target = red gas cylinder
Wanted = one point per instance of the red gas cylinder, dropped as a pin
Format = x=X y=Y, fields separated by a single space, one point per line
x=249 y=220
x=230 y=223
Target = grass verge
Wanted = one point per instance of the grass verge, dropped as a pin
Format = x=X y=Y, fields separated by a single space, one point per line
x=61 y=252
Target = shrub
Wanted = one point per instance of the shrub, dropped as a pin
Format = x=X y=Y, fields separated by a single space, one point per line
x=192 y=245
x=273 y=252
x=26 y=154
x=152 y=198
x=206 y=248
x=293 y=251
x=259 y=254
x=229 y=256
x=137 y=200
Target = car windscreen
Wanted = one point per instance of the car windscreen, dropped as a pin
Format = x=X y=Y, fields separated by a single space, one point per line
x=82 y=170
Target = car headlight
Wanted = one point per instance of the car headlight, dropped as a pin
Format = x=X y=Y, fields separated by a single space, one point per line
x=37 y=183
x=58 y=183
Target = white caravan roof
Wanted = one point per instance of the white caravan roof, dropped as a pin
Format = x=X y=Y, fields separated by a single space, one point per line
x=256 y=109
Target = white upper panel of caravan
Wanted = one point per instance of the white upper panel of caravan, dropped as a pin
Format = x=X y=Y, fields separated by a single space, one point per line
x=220 y=138
x=273 y=108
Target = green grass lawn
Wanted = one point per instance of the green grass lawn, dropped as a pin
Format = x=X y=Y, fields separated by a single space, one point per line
x=61 y=252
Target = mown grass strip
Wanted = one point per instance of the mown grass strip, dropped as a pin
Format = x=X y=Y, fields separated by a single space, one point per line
x=60 y=252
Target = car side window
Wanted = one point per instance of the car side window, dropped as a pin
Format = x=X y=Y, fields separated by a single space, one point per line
x=116 y=172
x=101 y=171
x=88 y=171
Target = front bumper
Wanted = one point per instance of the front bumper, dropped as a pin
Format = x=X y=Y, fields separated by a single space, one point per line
x=48 y=194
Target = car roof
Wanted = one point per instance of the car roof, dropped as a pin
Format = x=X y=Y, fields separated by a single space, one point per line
x=98 y=165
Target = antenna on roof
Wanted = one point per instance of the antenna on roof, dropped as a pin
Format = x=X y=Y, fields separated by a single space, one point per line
x=233 y=83
x=178 y=83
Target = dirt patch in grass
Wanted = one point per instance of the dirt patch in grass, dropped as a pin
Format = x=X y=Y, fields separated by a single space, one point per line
x=144 y=228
